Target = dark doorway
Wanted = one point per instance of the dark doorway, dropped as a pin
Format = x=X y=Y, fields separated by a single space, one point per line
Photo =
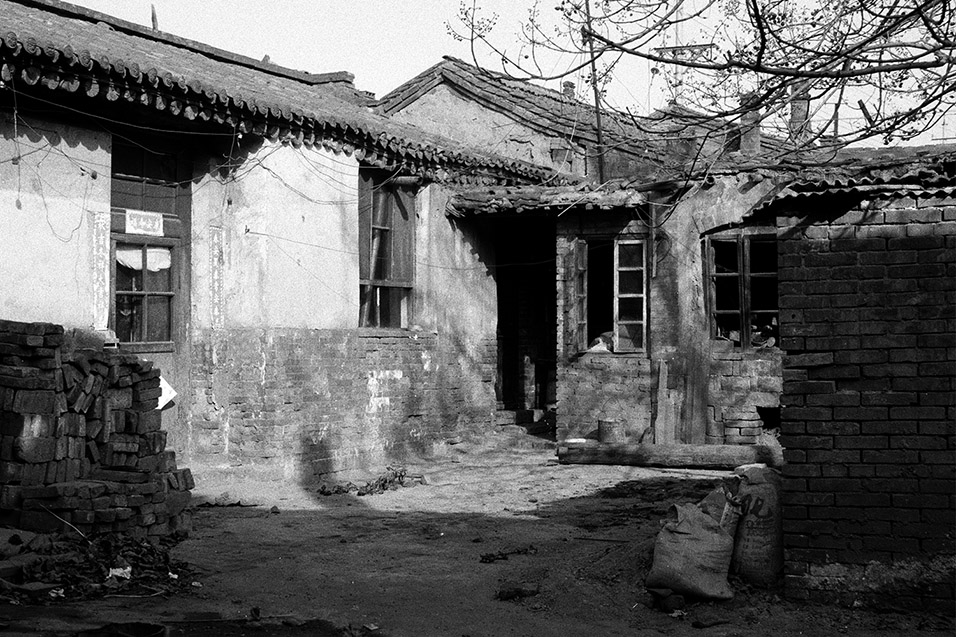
x=527 y=323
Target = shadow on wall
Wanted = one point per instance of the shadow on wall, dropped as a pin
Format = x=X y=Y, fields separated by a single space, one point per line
x=390 y=397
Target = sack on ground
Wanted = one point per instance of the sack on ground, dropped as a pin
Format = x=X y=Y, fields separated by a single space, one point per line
x=691 y=555
x=758 y=547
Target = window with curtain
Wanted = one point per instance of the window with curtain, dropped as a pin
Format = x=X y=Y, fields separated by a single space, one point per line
x=144 y=293
x=148 y=179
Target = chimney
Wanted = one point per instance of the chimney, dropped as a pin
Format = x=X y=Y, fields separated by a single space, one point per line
x=799 y=113
x=153 y=17
x=749 y=125
x=567 y=88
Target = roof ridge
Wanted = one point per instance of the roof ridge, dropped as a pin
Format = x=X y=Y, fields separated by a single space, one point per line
x=90 y=15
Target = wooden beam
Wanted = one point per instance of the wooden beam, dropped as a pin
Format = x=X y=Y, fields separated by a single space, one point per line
x=685 y=456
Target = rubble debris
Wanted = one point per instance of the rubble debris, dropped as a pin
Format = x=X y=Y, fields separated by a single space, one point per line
x=65 y=566
x=390 y=480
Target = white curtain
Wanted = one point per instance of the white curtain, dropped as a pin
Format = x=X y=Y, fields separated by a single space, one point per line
x=156 y=258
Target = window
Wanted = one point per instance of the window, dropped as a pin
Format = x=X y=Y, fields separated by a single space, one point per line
x=143 y=292
x=741 y=269
x=607 y=291
x=386 y=218
x=150 y=201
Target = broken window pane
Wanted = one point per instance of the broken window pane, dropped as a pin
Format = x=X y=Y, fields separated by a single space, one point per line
x=630 y=336
x=728 y=327
x=630 y=309
x=725 y=256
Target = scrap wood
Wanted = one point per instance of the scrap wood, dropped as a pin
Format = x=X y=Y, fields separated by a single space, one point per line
x=676 y=455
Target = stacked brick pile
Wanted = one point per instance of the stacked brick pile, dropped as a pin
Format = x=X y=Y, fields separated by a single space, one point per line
x=82 y=444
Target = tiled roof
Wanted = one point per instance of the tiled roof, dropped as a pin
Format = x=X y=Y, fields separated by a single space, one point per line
x=538 y=107
x=650 y=138
x=879 y=172
x=54 y=45
x=543 y=199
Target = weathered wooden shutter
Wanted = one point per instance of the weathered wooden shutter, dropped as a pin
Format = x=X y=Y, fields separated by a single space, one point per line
x=403 y=227
x=365 y=223
x=575 y=289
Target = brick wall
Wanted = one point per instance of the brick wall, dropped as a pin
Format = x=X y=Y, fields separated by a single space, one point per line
x=740 y=382
x=82 y=446
x=300 y=404
x=603 y=387
x=867 y=302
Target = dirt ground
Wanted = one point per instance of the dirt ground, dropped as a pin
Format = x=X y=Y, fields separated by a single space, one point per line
x=568 y=545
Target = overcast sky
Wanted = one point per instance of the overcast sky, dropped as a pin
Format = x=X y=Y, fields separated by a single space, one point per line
x=382 y=42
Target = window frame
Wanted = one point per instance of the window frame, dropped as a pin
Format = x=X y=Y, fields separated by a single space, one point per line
x=395 y=288
x=175 y=224
x=578 y=295
x=743 y=238
x=618 y=295
x=173 y=294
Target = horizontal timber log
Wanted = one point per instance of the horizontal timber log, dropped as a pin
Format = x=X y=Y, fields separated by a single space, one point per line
x=687 y=456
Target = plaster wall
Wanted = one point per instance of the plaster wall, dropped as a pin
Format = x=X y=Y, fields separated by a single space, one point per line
x=445 y=112
x=54 y=229
x=456 y=295
x=274 y=246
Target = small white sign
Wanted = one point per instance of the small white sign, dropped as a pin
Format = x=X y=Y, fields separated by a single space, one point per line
x=168 y=394
x=141 y=222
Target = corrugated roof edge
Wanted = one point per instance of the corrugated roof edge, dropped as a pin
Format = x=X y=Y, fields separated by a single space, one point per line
x=877 y=172
x=75 y=11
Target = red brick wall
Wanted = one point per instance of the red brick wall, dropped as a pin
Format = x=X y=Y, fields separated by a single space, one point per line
x=867 y=306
